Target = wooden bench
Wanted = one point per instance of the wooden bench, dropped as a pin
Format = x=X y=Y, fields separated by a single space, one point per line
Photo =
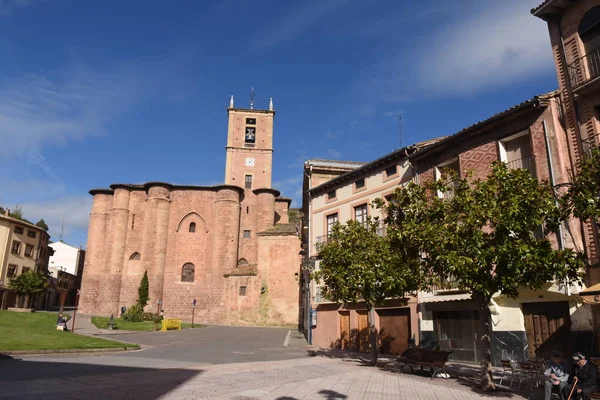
x=171 y=323
x=434 y=359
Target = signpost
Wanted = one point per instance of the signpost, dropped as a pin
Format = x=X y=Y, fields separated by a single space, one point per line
x=193 y=309
x=75 y=311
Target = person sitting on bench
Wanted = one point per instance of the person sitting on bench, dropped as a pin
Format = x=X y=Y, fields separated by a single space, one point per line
x=556 y=375
x=61 y=323
x=587 y=379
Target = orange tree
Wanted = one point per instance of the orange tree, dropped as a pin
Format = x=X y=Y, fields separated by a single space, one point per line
x=482 y=235
x=357 y=264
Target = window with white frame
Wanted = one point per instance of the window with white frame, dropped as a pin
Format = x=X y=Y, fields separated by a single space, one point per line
x=360 y=214
x=450 y=167
x=332 y=219
x=517 y=152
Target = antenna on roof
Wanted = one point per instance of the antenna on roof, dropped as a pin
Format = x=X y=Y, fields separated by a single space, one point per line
x=400 y=129
x=62 y=229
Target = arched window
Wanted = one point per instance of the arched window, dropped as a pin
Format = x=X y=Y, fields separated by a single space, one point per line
x=135 y=256
x=242 y=261
x=187 y=272
x=192 y=227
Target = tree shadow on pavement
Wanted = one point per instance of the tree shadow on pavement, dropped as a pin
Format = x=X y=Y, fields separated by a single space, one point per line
x=462 y=376
x=328 y=395
x=62 y=379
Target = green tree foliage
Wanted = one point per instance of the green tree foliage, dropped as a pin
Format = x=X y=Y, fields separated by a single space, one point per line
x=583 y=196
x=42 y=224
x=143 y=295
x=27 y=284
x=17 y=212
x=481 y=237
x=358 y=264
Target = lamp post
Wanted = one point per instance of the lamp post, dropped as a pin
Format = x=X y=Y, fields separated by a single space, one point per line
x=193 y=309
x=158 y=303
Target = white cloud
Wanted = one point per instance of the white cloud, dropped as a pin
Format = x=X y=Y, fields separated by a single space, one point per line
x=487 y=45
x=498 y=45
x=296 y=21
x=8 y=6
x=50 y=108
x=74 y=209
x=291 y=188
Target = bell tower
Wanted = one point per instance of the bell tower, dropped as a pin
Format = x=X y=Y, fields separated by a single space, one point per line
x=249 y=158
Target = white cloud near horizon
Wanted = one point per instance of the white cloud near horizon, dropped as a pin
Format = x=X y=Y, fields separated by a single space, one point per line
x=74 y=209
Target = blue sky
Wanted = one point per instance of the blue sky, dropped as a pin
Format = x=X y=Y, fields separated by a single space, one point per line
x=100 y=92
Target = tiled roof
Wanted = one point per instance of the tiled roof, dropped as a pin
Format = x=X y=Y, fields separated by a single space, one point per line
x=243 y=270
x=533 y=102
x=396 y=154
x=545 y=3
x=320 y=160
x=280 y=229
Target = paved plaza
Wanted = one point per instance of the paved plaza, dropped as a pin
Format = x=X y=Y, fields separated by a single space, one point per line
x=223 y=363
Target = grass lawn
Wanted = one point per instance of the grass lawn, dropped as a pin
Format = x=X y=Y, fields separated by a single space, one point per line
x=37 y=331
x=102 y=323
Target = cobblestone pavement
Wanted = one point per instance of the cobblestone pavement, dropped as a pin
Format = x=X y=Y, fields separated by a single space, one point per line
x=306 y=378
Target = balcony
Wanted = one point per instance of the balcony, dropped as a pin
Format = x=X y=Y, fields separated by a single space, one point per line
x=527 y=163
x=584 y=71
x=590 y=143
x=445 y=285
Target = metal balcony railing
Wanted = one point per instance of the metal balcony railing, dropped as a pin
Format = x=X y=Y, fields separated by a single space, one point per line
x=447 y=284
x=527 y=163
x=590 y=143
x=585 y=68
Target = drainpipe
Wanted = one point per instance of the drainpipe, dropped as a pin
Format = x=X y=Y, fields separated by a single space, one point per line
x=308 y=306
x=560 y=237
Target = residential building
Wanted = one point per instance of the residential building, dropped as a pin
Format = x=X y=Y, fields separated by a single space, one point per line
x=316 y=172
x=70 y=260
x=574 y=27
x=230 y=249
x=67 y=258
x=349 y=196
x=23 y=247
x=529 y=136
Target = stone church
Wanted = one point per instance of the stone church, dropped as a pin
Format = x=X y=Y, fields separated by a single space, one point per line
x=230 y=248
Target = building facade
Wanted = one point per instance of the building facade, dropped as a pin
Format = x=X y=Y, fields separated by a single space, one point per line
x=574 y=28
x=230 y=248
x=23 y=247
x=340 y=198
x=530 y=135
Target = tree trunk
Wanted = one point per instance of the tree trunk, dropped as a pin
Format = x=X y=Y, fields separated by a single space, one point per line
x=372 y=334
x=26 y=303
x=487 y=380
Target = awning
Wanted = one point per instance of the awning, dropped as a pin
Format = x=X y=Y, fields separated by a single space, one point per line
x=591 y=295
x=444 y=298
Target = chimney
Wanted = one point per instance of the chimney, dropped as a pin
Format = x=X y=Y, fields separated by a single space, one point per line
x=6 y=212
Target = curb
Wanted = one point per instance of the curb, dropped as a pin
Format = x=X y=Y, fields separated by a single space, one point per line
x=65 y=351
